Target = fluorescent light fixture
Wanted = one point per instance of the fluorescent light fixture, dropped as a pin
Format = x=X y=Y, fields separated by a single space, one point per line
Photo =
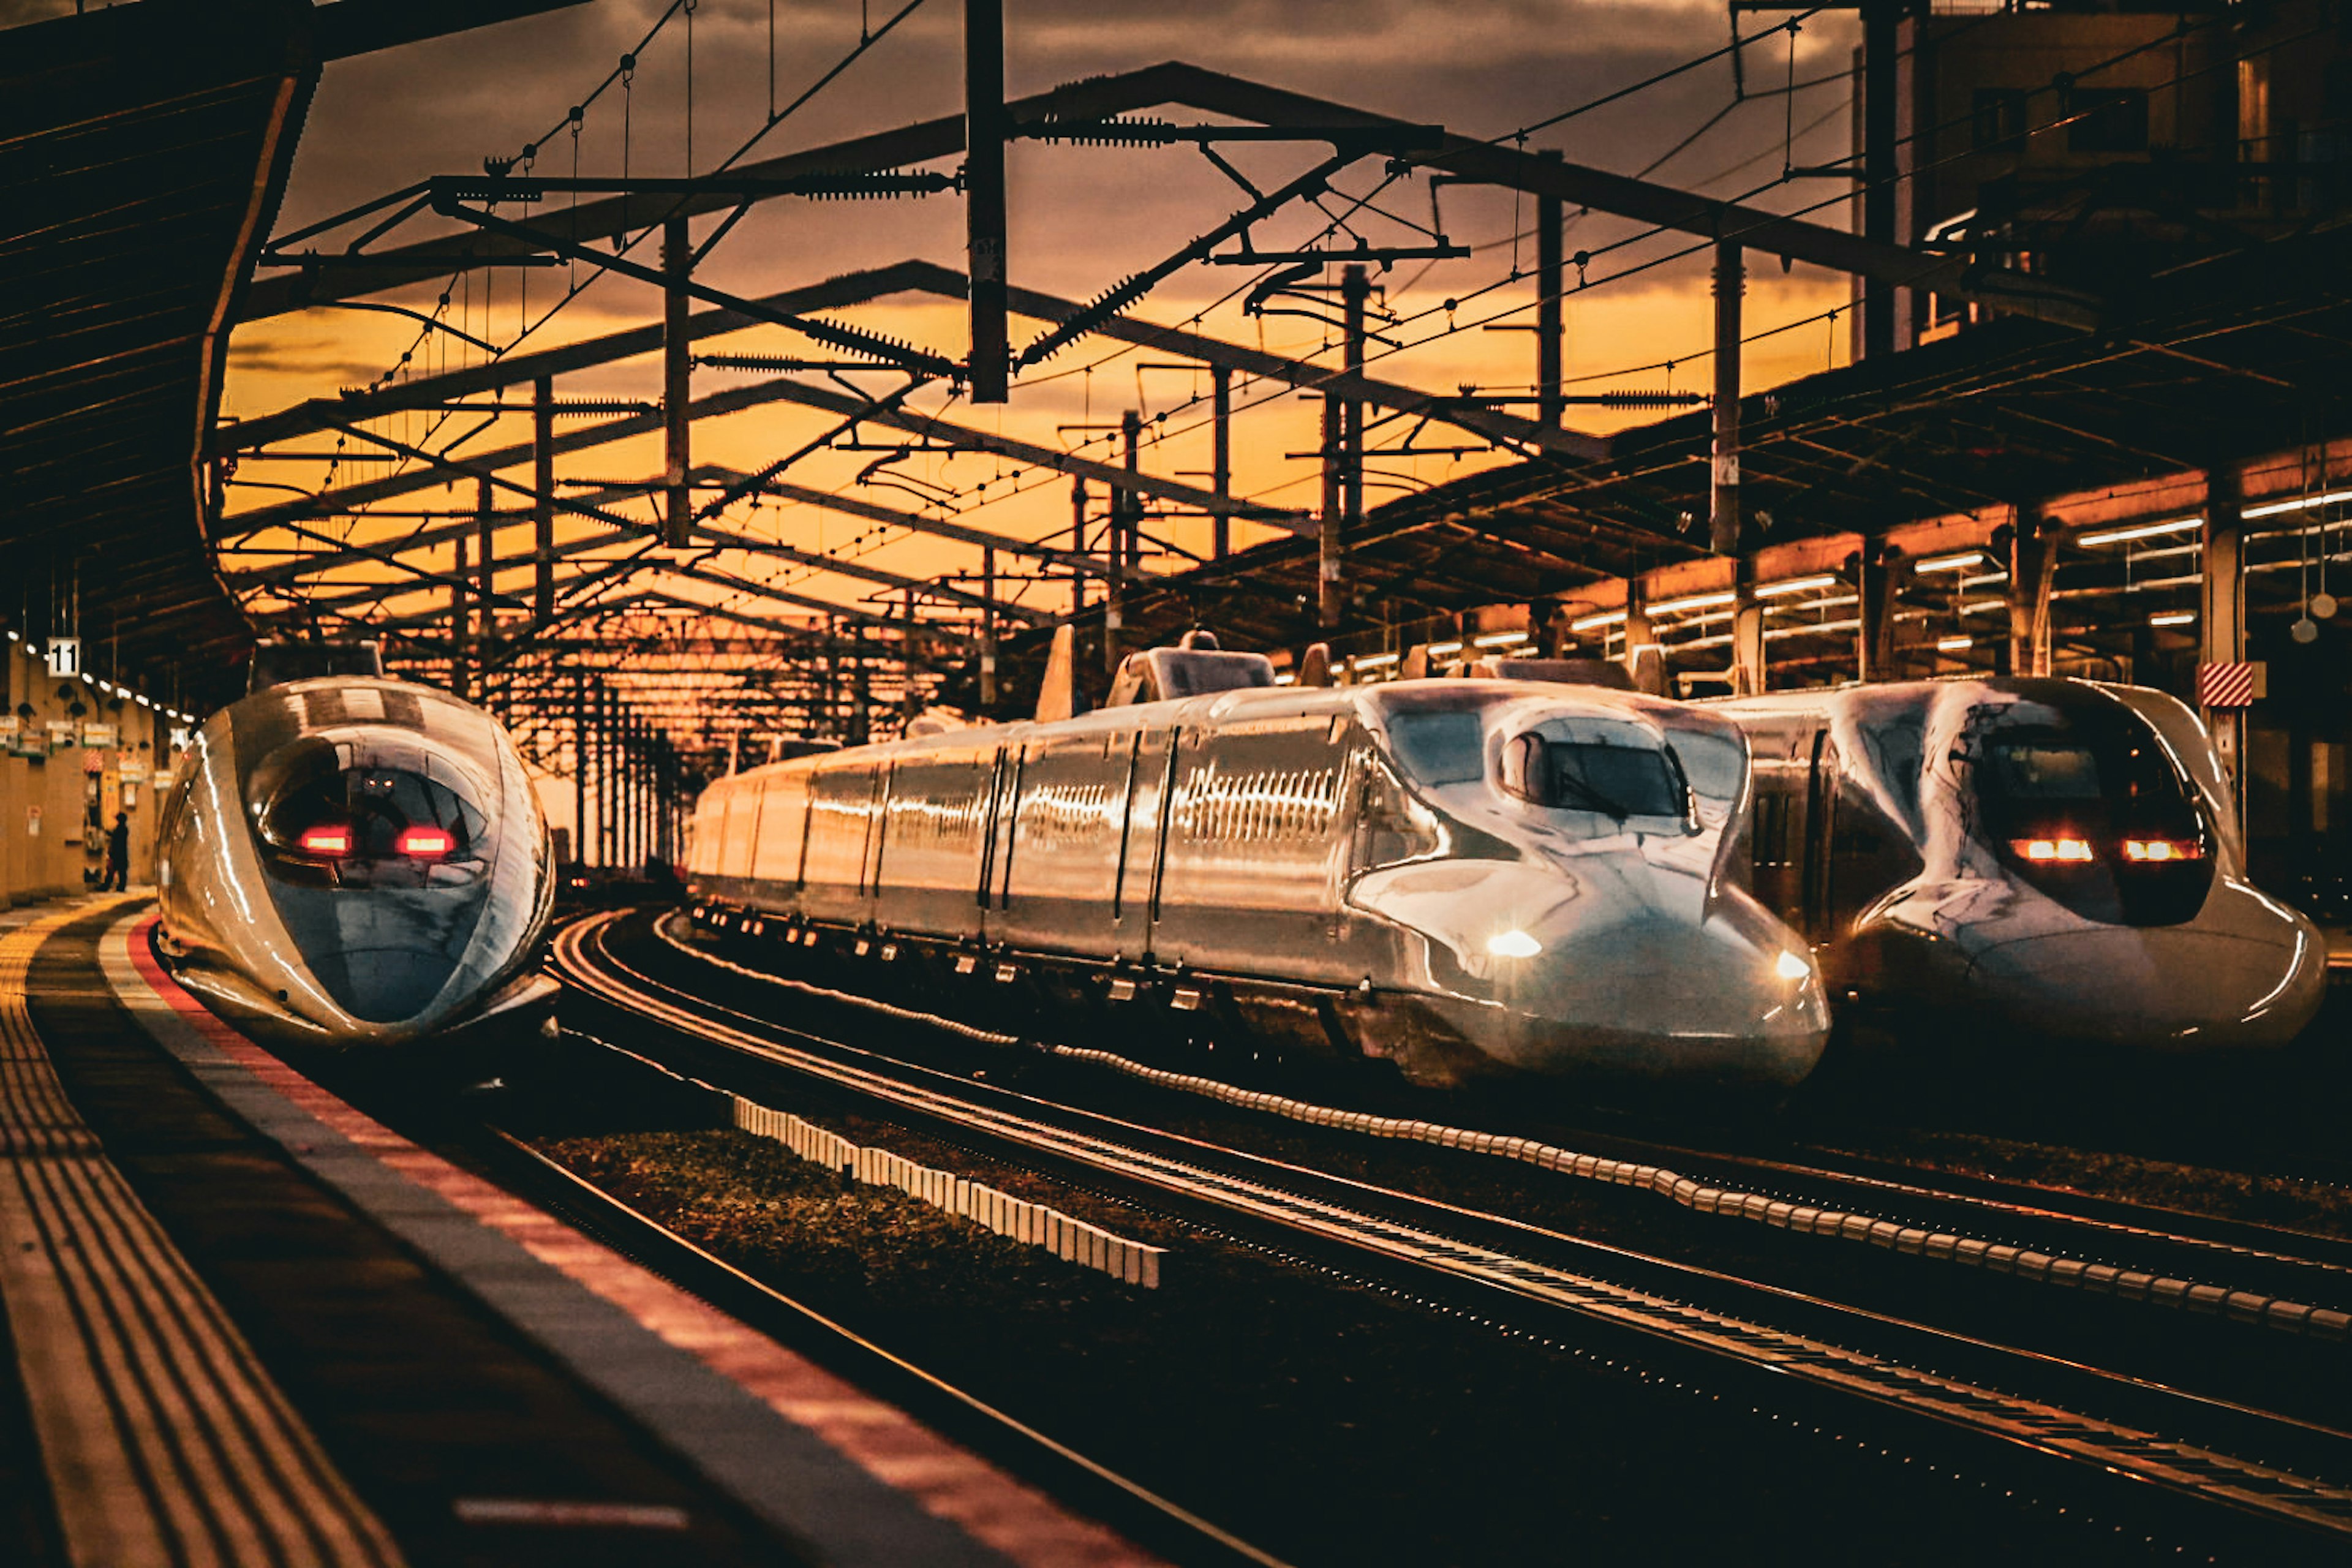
x=1511 y=640
x=1286 y=680
x=1514 y=944
x=1954 y=644
x=1694 y=602
x=2272 y=508
x=1588 y=623
x=1961 y=562
x=1788 y=966
x=1438 y=648
x=2143 y=530
x=1984 y=606
x=1797 y=585
x=14 y=638
x=1374 y=660
x=143 y=701
x=2172 y=618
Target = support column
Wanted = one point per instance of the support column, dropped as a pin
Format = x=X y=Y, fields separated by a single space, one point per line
x=1644 y=660
x=1221 y=456
x=542 y=511
x=1878 y=582
x=1551 y=288
x=2223 y=615
x=1749 y=674
x=1723 y=508
x=983 y=196
x=678 y=260
x=2033 y=562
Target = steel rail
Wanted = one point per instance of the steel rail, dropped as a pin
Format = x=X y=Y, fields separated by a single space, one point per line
x=1361 y=1220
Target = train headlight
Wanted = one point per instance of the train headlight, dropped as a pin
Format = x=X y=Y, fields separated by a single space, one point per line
x=2153 y=849
x=1790 y=966
x=2077 y=851
x=1514 y=944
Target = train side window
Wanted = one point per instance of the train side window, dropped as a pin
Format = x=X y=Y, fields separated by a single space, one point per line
x=1386 y=830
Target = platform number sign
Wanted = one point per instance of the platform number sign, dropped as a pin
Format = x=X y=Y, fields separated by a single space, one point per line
x=65 y=656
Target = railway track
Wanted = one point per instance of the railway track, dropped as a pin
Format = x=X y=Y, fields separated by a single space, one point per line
x=2132 y=1441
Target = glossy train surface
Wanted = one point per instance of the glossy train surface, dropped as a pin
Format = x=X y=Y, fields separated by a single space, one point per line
x=2038 y=859
x=1464 y=877
x=358 y=862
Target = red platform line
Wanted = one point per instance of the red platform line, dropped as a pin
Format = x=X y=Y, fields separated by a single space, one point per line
x=944 y=1479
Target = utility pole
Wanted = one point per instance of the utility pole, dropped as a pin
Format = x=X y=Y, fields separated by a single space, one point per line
x=678 y=261
x=988 y=628
x=1879 y=25
x=485 y=540
x=1126 y=536
x=457 y=618
x=580 y=767
x=1723 y=512
x=984 y=198
x=1343 y=459
x=1221 y=458
x=542 y=511
x=1551 y=285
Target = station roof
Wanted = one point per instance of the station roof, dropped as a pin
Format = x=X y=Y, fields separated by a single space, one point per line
x=2228 y=360
x=143 y=150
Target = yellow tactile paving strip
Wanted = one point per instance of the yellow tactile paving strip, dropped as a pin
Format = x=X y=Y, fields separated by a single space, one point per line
x=165 y=1443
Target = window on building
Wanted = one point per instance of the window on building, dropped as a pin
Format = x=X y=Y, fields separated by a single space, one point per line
x=1999 y=117
x=2107 y=120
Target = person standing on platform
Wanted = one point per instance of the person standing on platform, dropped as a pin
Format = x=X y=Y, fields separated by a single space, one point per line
x=118 y=855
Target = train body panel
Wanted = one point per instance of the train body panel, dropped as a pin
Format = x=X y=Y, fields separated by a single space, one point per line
x=355 y=861
x=2022 y=858
x=1363 y=862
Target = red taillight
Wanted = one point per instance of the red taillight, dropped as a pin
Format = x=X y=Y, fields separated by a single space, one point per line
x=2152 y=850
x=328 y=841
x=2044 y=852
x=424 y=843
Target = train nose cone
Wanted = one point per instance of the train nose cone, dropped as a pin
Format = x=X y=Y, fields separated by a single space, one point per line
x=387 y=984
x=1735 y=999
x=2155 y=986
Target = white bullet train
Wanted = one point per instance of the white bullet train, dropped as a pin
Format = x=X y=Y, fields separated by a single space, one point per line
x=2021 y=860
x=1465 y=877
x=352 y=860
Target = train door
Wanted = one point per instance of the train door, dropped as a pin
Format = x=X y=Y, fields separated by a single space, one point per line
x=1151 y=770
x=1775 y=828
x=1820 y=840
x=877 y=828
x=996 y=845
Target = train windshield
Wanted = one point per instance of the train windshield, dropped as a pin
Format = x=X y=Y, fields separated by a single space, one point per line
x=2093 y=813
x=1612 y=780
x=329 y=808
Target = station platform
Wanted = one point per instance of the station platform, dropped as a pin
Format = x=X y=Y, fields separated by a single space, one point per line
x=249 y=1324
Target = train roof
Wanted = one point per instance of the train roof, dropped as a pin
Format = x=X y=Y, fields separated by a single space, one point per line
x=1372 y=703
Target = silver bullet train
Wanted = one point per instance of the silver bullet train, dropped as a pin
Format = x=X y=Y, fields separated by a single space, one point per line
x=2021 y=860
x=1467 y=878
x=352 y=860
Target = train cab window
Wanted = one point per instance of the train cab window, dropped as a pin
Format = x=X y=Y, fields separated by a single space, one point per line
x=1441 y=746
x=2095 y=815
x=328 y=817
x=1619 y=782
